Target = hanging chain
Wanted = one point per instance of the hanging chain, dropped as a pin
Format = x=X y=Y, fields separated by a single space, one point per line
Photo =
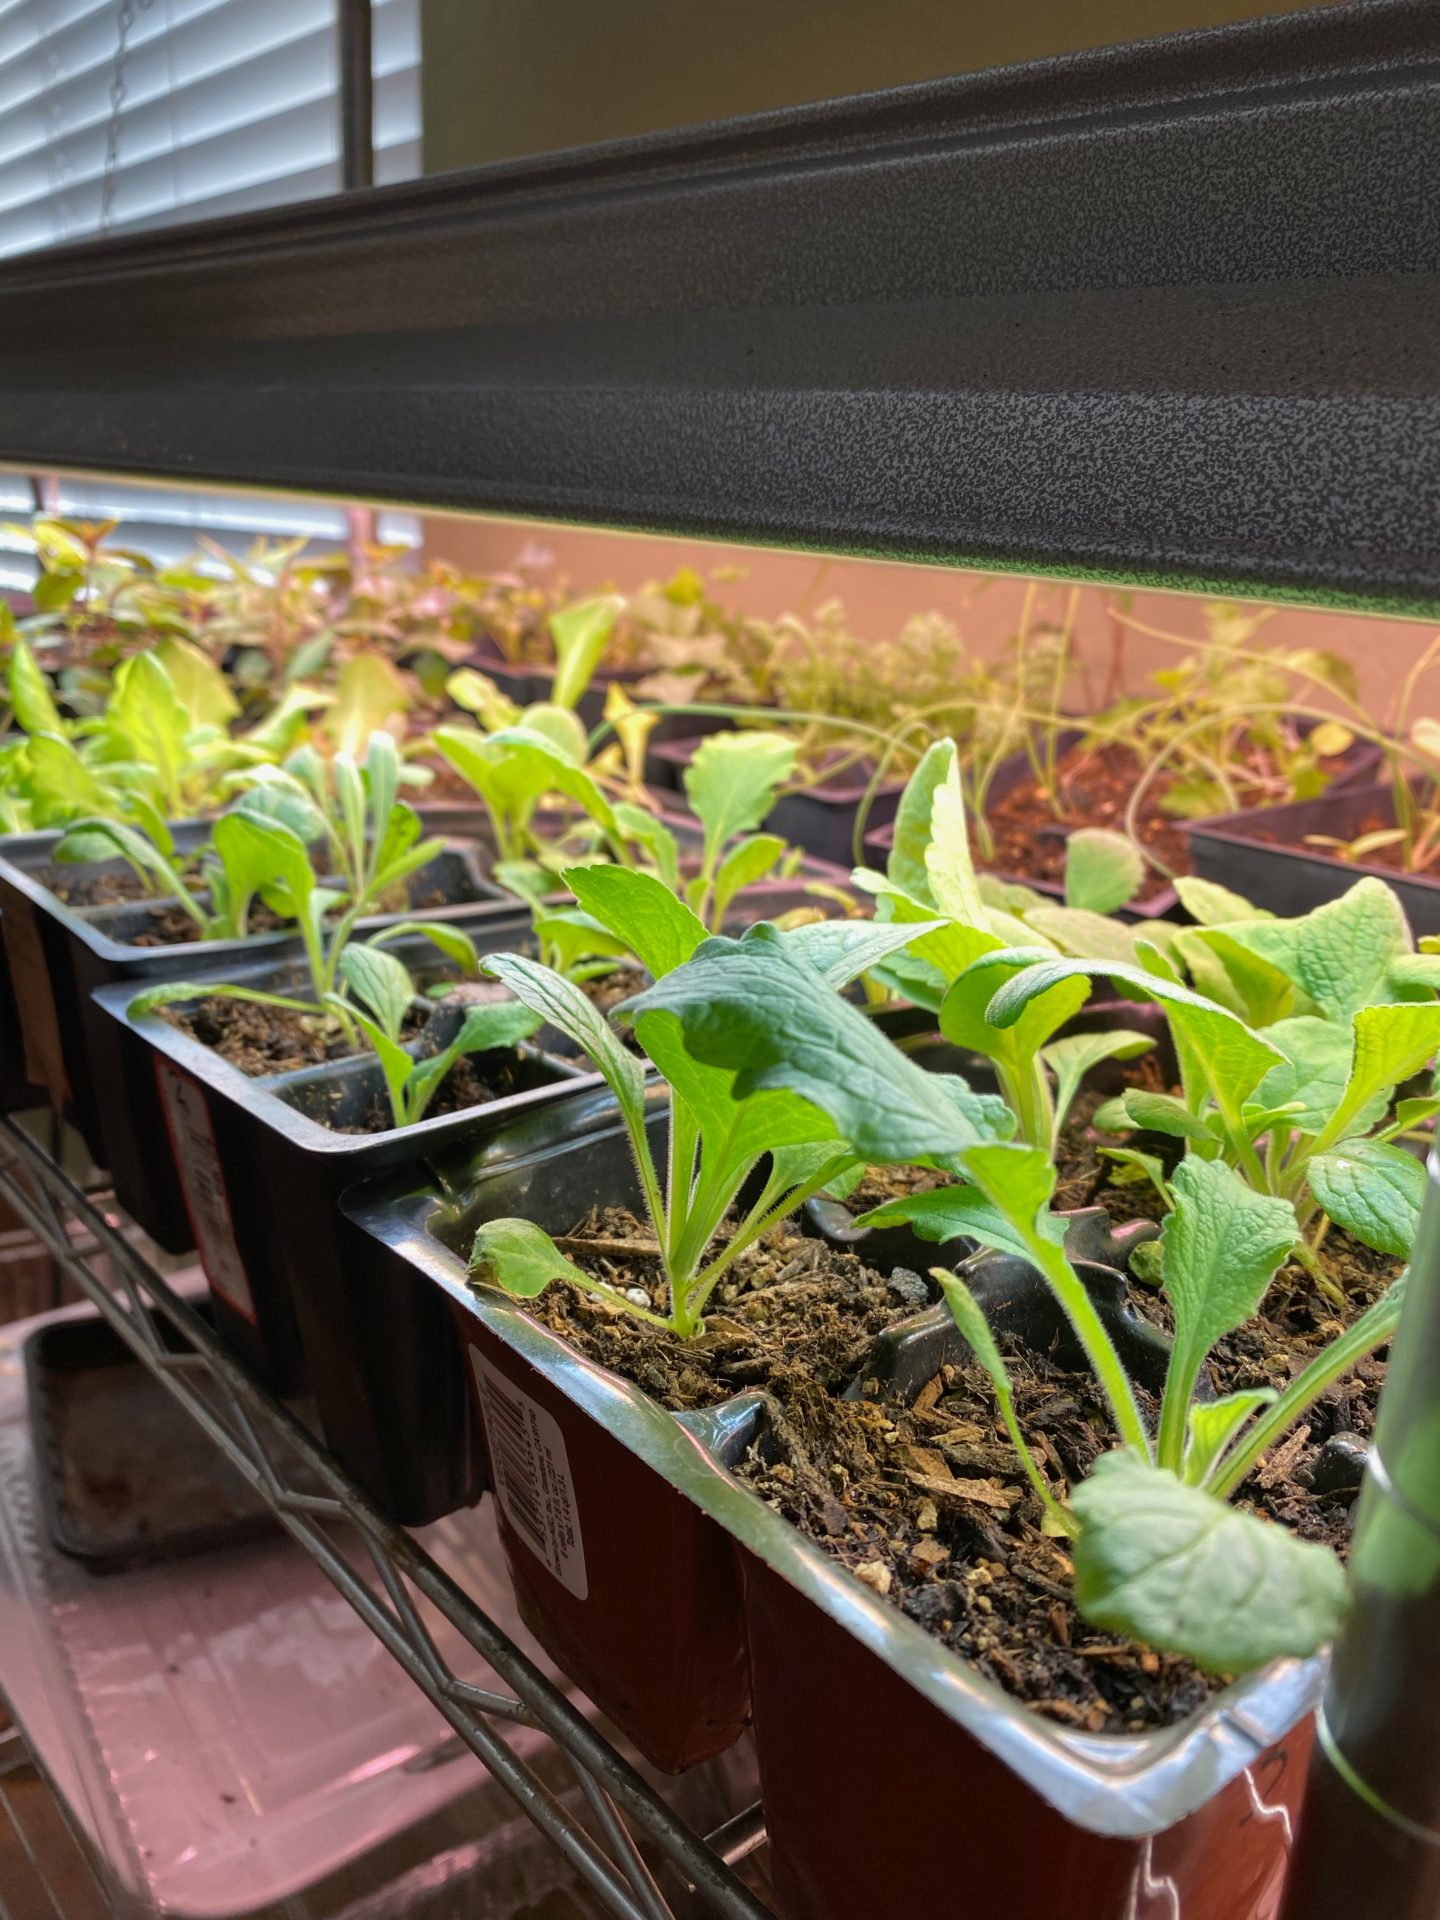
x=124 y=22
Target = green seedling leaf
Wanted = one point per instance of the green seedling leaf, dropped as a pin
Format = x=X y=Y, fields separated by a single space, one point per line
x=276 y=795
x=751 y=1008
x=1342 y=954
x=60 y=784
x=950 y=1213
x=514 y=769
x=642 y=829
x=478 y=694
x=1175 y=1568
x=1414 y=975
x=1220 y=1249
x=1373 y=1190
x=1391 y=1043
x=483 y=1030
x=200 y=686
x=1240 y=980
x=1163 y=1113
x=175 y=992
x=948 y=865
x=369 y=692
x=906 y=865
x=560 y=727
x=1211 y=905
x=563 y=1005
x=641 y=912
x=732 y=782
x=1077 y=1054
x=581 y=634
x=748 y=860
x=842 y=950
x=1214 y=1423
x=522 y=1259
x=381 y=983
x=1135 y=1168
x=1089 y=936
x=30 y=697
x=1312 y=1079
x=1102 y=870
x=570 y=937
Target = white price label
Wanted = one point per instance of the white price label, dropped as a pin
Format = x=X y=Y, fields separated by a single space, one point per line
x=532 y=1475
x=206 y=1201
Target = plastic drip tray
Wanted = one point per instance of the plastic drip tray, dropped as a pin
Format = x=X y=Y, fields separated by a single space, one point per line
x=126 y=1477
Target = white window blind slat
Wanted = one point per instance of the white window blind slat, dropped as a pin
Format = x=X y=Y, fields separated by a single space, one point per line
x=228 y=103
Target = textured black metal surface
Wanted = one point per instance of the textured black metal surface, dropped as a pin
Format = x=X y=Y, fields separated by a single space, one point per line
x=1167 y=311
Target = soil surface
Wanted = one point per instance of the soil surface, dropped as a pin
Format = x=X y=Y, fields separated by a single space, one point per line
x=79 y=886
x=259 y=1039
x=462 y=1088
x=926 y=1503
x=1095 y=786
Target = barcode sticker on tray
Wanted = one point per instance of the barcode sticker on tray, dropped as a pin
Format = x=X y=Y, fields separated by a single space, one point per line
x=206 y=1201
x=532 y=1475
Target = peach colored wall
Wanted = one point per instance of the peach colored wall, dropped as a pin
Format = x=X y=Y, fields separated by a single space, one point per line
x=879 y=596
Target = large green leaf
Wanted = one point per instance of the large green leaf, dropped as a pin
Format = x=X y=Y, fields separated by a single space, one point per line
x=1314 y=1073
x=948 y=863
x=1178 y=1570
x=1231 y=1058
x=1089 y=936
x=1220 y=1248
x=1342 y=953
x=30 y=697
x=842 y=950
x=1013 y=1048
x=642 y=913
x=145 y=720
x=1211 y=905
x=513 y=769
x=950 y=1213
x=1373 y=1190
x=732 y=781
x=751 y=1008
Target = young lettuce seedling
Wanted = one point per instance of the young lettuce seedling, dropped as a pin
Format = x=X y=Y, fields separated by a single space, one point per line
x=724 y=1124
x=383 y=994
x=1302 y=1108
x=1159 y=1555
x=930 y=870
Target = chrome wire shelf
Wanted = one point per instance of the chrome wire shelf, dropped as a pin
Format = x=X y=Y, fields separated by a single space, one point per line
x=385 y=1584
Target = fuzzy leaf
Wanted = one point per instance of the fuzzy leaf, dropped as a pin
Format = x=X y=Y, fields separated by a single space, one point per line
x=1315 y=1072
x=1211 y=905
x=949 y=1213
x=642 y=913
x=563 y=1004
x=732 y=782
x=1180 y=1571
x=1103 y=870
x=1341 y=954
x=906 y=865
x=1220 y=1248
x=1391 y=1043
x=1374 y=1191
x=522 y=1258
x=947 y=858
x=750 y=1007
x=841 y=950
x=1163 y=1113
x=1089 y=936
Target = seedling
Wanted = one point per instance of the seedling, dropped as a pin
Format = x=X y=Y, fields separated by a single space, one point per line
x=383 y=996
x=1159 y=1555
x=723 y=1124
x=930 y=872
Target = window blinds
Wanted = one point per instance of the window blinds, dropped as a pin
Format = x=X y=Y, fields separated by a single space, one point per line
x=228 y=105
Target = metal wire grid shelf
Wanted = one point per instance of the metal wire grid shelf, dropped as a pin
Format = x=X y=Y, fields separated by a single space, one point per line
x=273 y=1451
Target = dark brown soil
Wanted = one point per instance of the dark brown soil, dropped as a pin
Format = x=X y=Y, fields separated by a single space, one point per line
x=81 y=887
x=927 y=1503
x=1095 y=786
x=171 y=926
x=1094 y=790
x=789 y=1302
x=462 y=1088
x=259 y=1039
